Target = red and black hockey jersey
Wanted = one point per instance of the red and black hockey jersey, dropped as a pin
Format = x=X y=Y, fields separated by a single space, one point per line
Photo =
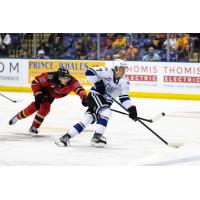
x=50 y=83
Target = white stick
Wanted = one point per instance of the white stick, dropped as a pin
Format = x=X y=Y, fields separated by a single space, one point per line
x=175 y=145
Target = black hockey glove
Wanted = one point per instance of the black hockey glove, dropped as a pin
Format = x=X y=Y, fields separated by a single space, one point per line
x=133 y=113
x=84 y=102
x=100 y=87
x=39 y=98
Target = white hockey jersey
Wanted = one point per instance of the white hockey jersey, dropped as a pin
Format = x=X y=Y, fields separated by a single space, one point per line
x=116 y=88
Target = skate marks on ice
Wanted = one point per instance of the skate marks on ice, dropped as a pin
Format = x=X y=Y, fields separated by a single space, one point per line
x=186 y=156
x=46 y=134
x=12 y=136
x=184 y=114
x=48 y=129
x=180 y=161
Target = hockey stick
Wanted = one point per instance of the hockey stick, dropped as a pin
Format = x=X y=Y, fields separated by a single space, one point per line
x=157 y=117
x=147 y=120
x=14 y=101
x=174 y=145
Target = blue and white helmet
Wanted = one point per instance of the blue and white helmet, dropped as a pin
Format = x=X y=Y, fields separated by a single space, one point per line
x=117 y=63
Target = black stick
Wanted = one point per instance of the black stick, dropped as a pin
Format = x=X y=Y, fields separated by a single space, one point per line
x=141 y=118
x=175 y=145
x=14 y=101
x=153 y=132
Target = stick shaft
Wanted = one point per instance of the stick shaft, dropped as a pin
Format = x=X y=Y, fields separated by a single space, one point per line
x=139 y=120
x=7 y=98
x=117 y=111
x=164 y=141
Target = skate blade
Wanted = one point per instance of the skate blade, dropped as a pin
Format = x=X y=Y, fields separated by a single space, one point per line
x=32 y=134
x=60 y=144
x=98 y=145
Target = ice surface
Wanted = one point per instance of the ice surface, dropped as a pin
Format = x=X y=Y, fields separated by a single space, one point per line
x=129 y=143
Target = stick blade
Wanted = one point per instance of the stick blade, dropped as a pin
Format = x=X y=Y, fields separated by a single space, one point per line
x=175 y=144
x=159 y=116
x=19 y=100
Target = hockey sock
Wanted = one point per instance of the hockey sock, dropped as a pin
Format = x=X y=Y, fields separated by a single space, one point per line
x=77 y=129
x=29 y=110
x=101 y=124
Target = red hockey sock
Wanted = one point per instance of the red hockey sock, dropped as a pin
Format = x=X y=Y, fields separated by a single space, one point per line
x=41 y=114
x=29 y=110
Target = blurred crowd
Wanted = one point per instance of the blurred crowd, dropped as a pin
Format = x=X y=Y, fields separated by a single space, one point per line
x=128 y=46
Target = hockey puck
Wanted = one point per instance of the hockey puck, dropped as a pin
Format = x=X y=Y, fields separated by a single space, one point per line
x=163 y=114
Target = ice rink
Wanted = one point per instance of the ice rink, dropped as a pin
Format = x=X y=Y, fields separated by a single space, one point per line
x=129 y=143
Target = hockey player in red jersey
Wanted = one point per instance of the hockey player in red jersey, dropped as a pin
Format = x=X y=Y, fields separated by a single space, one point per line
x=47 y=87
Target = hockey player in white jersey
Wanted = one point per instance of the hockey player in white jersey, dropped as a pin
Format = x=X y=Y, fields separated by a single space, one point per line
x=104 y=80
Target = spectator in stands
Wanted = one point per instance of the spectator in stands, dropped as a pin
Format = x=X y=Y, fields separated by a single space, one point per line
x=24 y=54
x=131 y=52
x=120 y=42
x=108 y=41
x=43 y=47
x=2 y=47
x=107 y=56
x=172 y=42
x=93 y=47
x=151 y=56
x=80 y=39
x=41 y=54
x=182 y=47
x=92 y=55
x=131 y=57
x=52 y=37
x=80 y=51
x=16 y=39
x=122 y=54
x=157 y=42
x=88 y=43
x=56 y=49
x=5 y=41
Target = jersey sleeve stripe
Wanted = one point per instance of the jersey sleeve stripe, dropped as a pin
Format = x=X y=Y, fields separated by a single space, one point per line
x=79 y=90
x=124 y=99
x=90 y=72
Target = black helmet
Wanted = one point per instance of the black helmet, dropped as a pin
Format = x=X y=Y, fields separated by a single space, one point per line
x=63 y=72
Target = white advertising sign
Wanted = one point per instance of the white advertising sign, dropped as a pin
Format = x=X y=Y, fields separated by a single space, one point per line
x=146 y=77
x=164 y=77
x=14 y=72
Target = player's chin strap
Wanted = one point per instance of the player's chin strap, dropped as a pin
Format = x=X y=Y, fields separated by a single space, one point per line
x=175 y=145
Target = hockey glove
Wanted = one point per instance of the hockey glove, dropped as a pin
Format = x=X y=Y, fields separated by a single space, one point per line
x=84 y=102
x=133 y=113
x=39 y=98
x=100 y=87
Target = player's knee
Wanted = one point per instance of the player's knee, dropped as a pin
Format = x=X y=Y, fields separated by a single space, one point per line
x=106 y=113
x=44 y=109
x=87 y=119
x=44 y=112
